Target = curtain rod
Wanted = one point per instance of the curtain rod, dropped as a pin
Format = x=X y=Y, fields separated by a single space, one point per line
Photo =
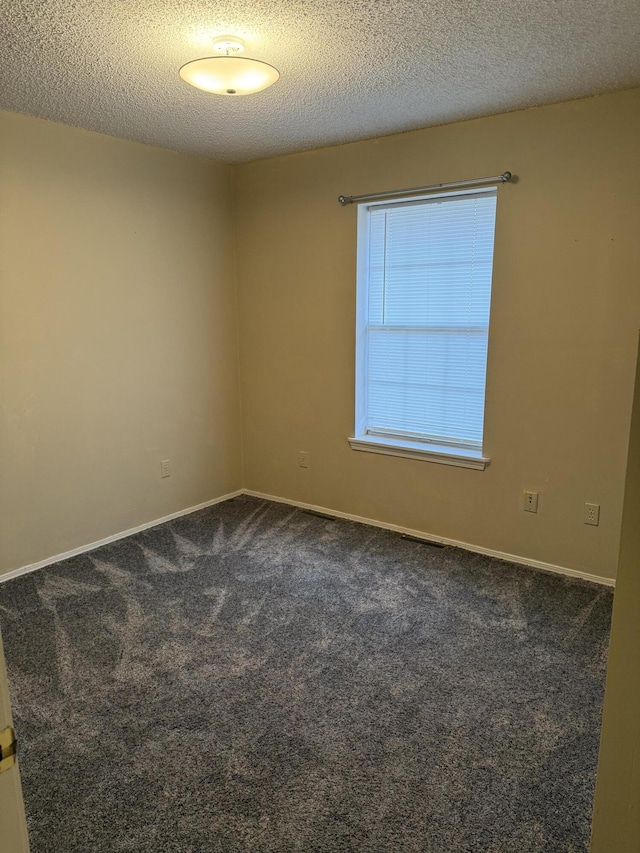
x=453 y=185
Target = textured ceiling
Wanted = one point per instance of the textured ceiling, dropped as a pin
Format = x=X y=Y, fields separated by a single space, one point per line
x=351 y=69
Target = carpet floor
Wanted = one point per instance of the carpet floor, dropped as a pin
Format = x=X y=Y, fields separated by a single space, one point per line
x=255 y=678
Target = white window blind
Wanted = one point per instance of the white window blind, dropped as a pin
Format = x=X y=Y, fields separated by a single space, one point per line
x=424 y=321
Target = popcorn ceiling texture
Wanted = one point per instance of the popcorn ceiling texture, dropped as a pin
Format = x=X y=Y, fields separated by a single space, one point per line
x=350 y=70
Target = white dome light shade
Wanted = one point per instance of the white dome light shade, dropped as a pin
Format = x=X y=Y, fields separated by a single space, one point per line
x=229 y=75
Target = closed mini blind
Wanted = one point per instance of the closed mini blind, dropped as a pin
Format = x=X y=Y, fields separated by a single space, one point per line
x=429 y=265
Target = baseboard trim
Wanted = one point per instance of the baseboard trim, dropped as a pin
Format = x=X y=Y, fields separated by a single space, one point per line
x=419 y=534
x=32 y=567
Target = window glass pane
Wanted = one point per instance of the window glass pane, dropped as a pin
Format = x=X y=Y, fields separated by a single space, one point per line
x=428 y=275
x=429 y=382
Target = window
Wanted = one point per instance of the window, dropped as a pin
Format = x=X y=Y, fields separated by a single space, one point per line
x=424 y=289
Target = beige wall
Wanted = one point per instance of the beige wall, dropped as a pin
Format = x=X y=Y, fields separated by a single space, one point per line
x=118 y=343
x=565 y=313
x=616 y=816
x=118 y=336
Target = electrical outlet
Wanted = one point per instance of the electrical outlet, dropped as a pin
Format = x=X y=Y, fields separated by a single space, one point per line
x=303 y=459
x=592 y=514
x=530 y=502
x=164 y=468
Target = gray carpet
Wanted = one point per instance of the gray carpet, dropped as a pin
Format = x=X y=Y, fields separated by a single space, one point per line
x=255 y=678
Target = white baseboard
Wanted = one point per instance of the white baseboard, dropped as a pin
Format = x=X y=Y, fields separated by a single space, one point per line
x=23 y=570
x=419 y=534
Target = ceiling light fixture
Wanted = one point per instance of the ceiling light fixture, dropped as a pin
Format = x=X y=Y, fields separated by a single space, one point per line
x=227 y=73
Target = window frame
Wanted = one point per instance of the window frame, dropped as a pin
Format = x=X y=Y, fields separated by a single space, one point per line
x=371 y=442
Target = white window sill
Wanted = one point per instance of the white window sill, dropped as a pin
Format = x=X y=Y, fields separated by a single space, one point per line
x=417 y=450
